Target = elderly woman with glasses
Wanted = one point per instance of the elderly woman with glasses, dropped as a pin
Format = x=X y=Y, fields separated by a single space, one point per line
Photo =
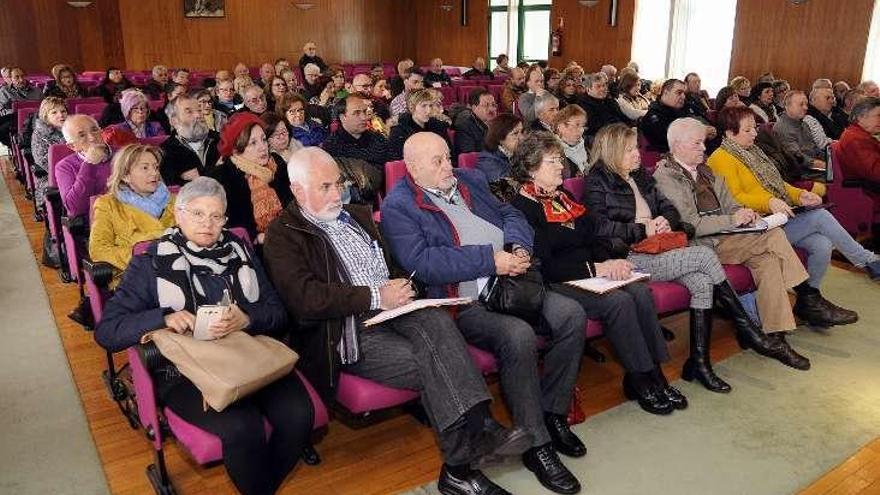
x=137 y=207
x=257 y=188
x=191 y=265
x=135 y=111
x=309 y=132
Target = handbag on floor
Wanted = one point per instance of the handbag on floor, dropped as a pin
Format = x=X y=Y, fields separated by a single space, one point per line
x=227 y=369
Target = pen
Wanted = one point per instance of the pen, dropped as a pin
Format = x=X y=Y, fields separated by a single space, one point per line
x=409 y=280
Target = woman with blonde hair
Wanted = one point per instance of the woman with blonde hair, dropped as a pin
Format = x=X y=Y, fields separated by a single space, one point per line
x=137 y=207
x=630 y=208
x=743 y=88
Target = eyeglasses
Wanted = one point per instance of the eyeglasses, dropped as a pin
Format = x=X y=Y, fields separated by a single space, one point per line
x=552 y=160
x=201 y=217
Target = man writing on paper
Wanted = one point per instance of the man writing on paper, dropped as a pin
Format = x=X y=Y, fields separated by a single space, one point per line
x=329 y=265
x=446 y=224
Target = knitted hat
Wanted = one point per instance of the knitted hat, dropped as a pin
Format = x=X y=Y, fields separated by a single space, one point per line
x=129 y=99
x=233 y=129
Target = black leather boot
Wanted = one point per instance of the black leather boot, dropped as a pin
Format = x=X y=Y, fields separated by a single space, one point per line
x=699 y=364
x=788 y=356
x=748 y=335
x=563 y=439
x=817 y=312
x=641 y=387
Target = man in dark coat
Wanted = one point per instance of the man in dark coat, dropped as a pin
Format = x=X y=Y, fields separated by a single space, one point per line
x=191 y=150
x=470 y=125
x=601 y=109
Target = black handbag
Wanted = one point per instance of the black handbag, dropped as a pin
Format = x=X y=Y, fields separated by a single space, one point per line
x=521 y=296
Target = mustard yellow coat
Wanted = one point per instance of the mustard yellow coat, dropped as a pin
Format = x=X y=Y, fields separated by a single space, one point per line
x=117 y=227
x=744 y=185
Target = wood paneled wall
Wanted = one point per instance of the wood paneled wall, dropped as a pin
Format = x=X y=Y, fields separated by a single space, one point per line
x=438 y=33
x=588 y=37
x=37 y=34
x=257 y=31
x=822 y=38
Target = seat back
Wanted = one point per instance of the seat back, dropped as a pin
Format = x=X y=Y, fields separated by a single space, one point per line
x=394 y=171
x=450 y=96
x=19 y=104
x=22 y=115
x=57 y=152
x=575 y=186
x=468 y=160
x=73 y=102
x=465 y=91
x=854 y=209
x=90 y=108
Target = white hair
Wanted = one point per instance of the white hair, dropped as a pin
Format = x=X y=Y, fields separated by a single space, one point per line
x=681 y=128
x=200 y=187
x=302 y=160
x=543 y=101
x=68 y=124
x=311 y=68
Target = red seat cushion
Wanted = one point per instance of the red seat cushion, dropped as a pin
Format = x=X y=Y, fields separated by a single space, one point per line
x=740 y=278
x=669 y=297
x=360 y=395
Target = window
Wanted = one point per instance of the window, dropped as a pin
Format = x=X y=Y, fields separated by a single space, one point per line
x=871 y=69
x=519 y=28
x=674 y=37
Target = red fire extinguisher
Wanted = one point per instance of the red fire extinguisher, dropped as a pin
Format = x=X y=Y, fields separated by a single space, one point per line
x=556 y=40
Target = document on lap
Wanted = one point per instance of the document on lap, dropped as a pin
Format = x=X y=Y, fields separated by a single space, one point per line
x=415 y=306
x=601 y=285
x=762 y=225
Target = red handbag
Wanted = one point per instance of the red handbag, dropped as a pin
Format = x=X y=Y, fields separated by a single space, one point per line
x=660 y=243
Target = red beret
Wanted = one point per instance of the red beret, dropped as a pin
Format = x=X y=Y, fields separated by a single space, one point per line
x=233 y=129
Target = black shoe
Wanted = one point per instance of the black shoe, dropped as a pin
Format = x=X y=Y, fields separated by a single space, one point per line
x=475 y=483
x=840 y=316
x=550 y=471
x=811 y=309
x=787 y=355
x=495 y=444
x=639 y=387
x=564 y=440
x=873 y=270
x=82 y=314
x=672 y=394
x=699 y=364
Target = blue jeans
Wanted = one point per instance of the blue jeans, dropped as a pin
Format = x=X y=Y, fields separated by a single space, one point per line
x=818 y=232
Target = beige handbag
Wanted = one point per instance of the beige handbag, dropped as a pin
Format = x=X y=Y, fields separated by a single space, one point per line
x=227 y=369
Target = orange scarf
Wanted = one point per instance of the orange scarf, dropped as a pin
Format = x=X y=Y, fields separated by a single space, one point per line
x=558 y=207
x=265 y=202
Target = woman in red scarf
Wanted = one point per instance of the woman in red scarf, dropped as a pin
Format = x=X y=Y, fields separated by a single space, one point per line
x=569 y=249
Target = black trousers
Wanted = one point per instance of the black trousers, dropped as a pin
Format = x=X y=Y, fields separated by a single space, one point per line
x=256 y=466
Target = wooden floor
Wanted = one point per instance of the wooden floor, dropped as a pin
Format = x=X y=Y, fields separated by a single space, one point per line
x=385 y=457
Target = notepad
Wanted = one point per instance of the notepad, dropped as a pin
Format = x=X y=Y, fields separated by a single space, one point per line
x=761 y=225
x=601 y=285
x=415 y=306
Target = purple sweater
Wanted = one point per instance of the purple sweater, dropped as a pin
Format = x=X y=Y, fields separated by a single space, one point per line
x=78 y=181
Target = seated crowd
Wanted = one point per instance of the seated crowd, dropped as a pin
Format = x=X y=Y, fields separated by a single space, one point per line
x=300 y=167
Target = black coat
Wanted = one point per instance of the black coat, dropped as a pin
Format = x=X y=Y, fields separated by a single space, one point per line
x=611 y=199
x=656 y=122
x=305 y=60
x=565 y=253
x=406 y=127
x=371 y=147
x=832 y=128
x=442 y=78
x=470 y=132
x=601 y=112
x=178 y=158
x=239 y=208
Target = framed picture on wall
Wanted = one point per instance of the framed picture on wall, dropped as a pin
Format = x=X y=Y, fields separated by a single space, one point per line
x=204 y=8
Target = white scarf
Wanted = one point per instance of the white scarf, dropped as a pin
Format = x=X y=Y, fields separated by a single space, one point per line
x=577 y=153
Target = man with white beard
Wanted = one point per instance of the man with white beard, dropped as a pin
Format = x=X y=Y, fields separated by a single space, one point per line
x=191 y=150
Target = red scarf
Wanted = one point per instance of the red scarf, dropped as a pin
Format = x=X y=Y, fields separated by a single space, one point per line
x=558 y=207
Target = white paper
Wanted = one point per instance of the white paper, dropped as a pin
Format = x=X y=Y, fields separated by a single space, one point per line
x=415 y=306
x=761 y=225
x=601 y=285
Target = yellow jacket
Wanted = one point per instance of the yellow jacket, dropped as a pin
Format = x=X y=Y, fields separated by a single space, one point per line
x=117 y=227
x=743 y=185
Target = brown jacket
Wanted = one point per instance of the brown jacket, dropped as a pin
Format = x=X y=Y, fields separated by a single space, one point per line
x=509 y=96
x=314 y=288
x=679 y=189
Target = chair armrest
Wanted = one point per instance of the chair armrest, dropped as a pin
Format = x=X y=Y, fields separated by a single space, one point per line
x=151 y=358
x=145 y=395
x=101 y=272
x=75 y=225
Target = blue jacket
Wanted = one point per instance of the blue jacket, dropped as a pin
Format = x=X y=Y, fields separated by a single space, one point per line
x=134 y=309
x=494 y=164
x=422 y=238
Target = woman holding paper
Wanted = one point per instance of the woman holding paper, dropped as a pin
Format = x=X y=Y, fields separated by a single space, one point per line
x=755 y=183
x=191 y=266
x=568 y=247
x=630 y=209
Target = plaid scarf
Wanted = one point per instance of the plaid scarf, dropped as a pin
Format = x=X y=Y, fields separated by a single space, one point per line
x=761 y=165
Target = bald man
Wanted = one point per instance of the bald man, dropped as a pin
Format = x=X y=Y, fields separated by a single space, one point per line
x=333 y=271
x=445 y=225
x=436 y=75
x=84 y=173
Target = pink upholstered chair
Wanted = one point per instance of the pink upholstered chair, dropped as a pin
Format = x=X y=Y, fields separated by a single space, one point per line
x=854 y=209
x=90 y=108
x=468 y=160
